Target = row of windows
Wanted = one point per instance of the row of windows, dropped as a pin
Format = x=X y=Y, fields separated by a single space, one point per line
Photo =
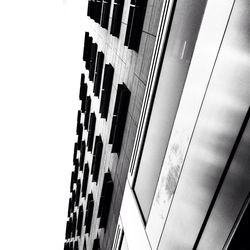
x=74 y=223
x=98 y=72
x=98 y=10
x=122 y=97
x=73 y=245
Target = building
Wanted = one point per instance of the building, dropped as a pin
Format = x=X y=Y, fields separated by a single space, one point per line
x=163 y=135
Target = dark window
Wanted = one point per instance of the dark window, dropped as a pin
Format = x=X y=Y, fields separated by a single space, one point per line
x=97 y=11
x=98 y=73
x=79 y=133
x=105 y=13
x=85 y=180
x=76 y=245
x=68 y=229
x=84 y=100
x=76 y=173
x=92 y=61
x=119 y=117
x=73 y=199
x=135 y=24
x=91 y=9
x=106 y=90
x=87 y=112
x=71 y=245
x=96 y=244
x=117 y=18
x=91 y=131
x=72 y=181
x=82 y=95
x=69 y=207
x=105 y=200
x=97 y=155
x=89 y=213
x=89 y=46
x=78 y=191
x=79 y=128
x=83 y=88
x=78 y=116
x=87 y=49
x=82 y=156
x=79 y=222
x=73 y=232
x=75 y=153
x=84 y=245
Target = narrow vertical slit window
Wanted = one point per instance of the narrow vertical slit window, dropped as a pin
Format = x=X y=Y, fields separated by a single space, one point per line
x=75 y=153
x=69 y=207
x=87 y=112
x=119 y=117
x=85 y=180
x=79 y=128
x=135 y=24
x=88 y=52
x=76 y=247
x=84 y=99
x=86 y=41
x=96 y=244
x=79 y=222
x=92 y=61
x=76 y=173
x=105 y=200
x=78 y=191
x=82 y=95
x=79 y=133
x=73 y=200
x=74 y=225
x=67 y=233
x=105 y=13
x=89 y=213
x=97 y=11
x=78 y=116
x=91 y=131
x=106 y=90
x=87 y=49
x=91 y=9
x=82 y=156
x=72 y=181
x=98 y=73
x=97 y=155
x=117 y=18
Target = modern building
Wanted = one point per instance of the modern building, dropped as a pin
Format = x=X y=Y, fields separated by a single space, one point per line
x=161 y=159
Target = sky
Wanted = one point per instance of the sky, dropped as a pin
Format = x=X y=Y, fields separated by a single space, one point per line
x=40 y=65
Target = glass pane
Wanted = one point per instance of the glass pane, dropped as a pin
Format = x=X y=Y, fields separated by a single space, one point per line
x=177 y=58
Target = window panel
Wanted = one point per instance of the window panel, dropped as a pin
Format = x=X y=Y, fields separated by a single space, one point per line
x=106 y=90
x=105 y=14
x=119 y=117
x=87 y=112
x=92 y=61
x=98 y=73
x=105 y=200
x=97 y=154
x=85 y=180
x=82 y=156
x=89 y=213
x=117 y=18
x=91 y=131
x=135 y=24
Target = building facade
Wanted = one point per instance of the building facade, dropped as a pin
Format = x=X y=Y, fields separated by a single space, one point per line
x=161 y=159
